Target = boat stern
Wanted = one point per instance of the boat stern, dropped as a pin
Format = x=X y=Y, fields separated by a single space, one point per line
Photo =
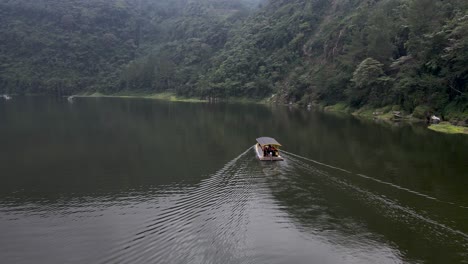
x=259 y=152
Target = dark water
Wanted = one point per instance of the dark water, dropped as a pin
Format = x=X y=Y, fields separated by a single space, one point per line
x=142 y=181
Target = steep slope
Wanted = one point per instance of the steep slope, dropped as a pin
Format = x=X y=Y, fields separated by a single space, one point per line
x=63 y=46
x=401 y=54
x=410 y=53
x=67 y=46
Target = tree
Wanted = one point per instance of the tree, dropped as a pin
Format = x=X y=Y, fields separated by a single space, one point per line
x=368 y=78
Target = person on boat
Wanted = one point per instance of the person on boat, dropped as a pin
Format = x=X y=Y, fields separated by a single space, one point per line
x=265 y=151
x=270 y=150
x=273 y=151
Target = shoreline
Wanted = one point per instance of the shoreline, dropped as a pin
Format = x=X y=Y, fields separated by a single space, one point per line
x=171 y=97
x=386 y=114
x=380 y=114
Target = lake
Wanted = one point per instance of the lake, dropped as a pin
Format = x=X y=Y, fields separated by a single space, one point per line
x=107 y=180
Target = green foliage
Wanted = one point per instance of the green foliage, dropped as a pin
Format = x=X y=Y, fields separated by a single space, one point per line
x=369 y=84
x=422 y=111
x=367 y=73
x=66 y=46
x=457 y=110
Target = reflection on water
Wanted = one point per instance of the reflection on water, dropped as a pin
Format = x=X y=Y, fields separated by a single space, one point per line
x=233 y=217
x=138 y=181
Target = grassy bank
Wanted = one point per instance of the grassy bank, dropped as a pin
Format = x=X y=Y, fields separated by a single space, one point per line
x=172 y=97
x=446 y=127
x=167 y=96
x=339 y=107
x=384 y=113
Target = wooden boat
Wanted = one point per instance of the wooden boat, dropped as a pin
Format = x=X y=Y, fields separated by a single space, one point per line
x=267 y=149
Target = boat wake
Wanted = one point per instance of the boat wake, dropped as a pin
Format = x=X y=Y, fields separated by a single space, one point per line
x=224 y=218
x=376 y=180
x=185 y=230
x=392 y=208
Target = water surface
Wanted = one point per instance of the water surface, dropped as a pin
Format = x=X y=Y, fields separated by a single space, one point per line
x=104 y=180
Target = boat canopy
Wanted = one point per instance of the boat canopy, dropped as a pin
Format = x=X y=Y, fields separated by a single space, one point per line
x=263 y=141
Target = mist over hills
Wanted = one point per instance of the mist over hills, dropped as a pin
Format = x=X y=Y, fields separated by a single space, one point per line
x=405 y=54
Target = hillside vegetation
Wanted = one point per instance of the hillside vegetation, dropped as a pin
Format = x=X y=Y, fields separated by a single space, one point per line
x=405 y=55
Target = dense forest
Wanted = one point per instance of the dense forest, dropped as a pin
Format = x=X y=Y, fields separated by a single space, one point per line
x=410 y=55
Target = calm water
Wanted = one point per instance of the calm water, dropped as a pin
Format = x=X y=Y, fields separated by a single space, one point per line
x=142 y=181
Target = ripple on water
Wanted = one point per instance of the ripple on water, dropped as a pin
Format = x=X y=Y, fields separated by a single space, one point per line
x=247 y=212
x=234 y=217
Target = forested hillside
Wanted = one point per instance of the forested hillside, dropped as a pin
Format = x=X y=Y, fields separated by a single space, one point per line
x=405 y=54
x=67 y=46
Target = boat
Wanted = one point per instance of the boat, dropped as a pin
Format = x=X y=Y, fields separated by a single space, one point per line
x=267 y=149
